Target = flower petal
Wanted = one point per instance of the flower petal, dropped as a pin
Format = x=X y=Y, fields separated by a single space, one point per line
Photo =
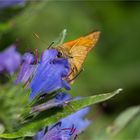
x=49 y=74
x=10 y=60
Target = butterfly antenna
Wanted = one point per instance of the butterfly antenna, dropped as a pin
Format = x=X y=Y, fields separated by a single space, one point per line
x=69 y=81
x=50 y=46
x=36 y=36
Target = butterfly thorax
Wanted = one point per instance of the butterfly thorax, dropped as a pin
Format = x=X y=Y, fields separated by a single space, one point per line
x=63 y=52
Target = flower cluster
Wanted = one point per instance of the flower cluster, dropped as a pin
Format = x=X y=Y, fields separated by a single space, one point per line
x=45 y=76
x=48 y=75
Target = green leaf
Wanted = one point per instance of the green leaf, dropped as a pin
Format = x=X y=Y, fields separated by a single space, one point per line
x=123 y=120
x=31 y=128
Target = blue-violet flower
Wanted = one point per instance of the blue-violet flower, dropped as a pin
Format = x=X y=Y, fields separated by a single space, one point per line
x=10 y=60
x=50 y=74
x=67 y=128
x=10 y=3
x=27 y=68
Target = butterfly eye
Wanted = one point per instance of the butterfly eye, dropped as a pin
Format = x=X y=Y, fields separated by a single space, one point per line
x=60 y=54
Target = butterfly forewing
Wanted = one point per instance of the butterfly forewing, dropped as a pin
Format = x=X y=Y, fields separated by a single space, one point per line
x=77 y=51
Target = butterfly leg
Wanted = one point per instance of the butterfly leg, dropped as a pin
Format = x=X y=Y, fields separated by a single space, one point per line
x=71 y=80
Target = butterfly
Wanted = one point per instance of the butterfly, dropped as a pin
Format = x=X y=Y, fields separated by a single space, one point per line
x=76 y=51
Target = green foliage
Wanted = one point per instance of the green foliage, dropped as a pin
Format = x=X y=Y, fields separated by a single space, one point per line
x=11 y=105
x=29 y=129
x=126 y=125
x=124 y=119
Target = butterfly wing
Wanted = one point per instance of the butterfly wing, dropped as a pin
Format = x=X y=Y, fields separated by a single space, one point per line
x=88 y=41
x=78 y=49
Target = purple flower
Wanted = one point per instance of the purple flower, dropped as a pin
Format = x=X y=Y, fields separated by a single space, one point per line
x=10 y=3
x=76 y=120
x=50 y=74
x=60 y=98
x=27 y=68
x=39 y=135
x=28 y=57
x=55 y=133
x=10 y=60
x=67 y=128
x=58 y=101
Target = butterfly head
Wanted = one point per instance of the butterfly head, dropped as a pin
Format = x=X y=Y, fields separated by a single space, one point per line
x=63 y=53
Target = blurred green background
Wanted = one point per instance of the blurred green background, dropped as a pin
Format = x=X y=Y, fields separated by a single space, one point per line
x=113 y=63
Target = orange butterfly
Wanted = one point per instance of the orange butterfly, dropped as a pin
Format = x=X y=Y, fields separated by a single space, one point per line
x=76 y=51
